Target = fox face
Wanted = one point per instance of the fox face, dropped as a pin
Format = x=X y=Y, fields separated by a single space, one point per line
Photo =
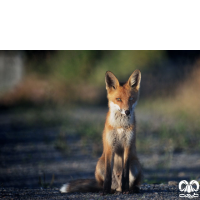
x=122 y=98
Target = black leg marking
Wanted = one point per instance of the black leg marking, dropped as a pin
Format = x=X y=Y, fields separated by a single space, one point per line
x=108 y=176
x=125 y=177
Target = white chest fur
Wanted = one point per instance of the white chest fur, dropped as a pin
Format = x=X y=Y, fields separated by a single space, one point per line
x=120 y=138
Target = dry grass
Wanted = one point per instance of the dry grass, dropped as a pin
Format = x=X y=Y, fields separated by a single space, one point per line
x=172 y=124
x=188 y=94
x=164 y=124
x=38 y=90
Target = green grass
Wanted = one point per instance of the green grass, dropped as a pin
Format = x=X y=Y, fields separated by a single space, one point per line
x=61 y=143
x=166 y=126
x=158 y=130
x=91 y=131
x=42 y=181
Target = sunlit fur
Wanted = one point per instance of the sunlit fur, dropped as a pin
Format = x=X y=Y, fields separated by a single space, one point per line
x=119 y=136
x=120 y=131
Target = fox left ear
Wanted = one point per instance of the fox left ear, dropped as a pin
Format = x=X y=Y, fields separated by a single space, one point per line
x=111 y=81
x=135 y=79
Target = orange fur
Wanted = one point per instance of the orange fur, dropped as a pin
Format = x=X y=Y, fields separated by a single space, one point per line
x=118 y=169
x=116 y=150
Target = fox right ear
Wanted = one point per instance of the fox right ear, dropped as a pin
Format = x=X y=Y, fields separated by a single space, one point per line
x=111 y=81
x=135 y=79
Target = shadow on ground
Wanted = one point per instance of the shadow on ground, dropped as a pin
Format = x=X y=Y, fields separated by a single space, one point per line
x=29 y=158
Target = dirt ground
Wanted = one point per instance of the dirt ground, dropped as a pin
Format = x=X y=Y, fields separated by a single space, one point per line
x=153 y=191
x=32 y=167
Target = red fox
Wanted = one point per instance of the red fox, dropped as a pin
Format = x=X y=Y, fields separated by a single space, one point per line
x=118 y=169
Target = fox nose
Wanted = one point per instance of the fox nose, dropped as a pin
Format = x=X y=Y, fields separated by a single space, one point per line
x=127 y=112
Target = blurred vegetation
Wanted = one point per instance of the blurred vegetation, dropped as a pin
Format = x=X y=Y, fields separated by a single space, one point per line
x=90 y=66
x=59 y=74
x=57 y=82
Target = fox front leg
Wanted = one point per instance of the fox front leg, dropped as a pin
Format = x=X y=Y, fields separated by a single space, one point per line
x=108 y=173
x=125 y=171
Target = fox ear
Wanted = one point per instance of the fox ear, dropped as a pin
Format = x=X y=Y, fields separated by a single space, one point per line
x=111 y=81
x=135 y=79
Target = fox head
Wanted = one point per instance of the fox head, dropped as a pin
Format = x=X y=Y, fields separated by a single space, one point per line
x=122 y=98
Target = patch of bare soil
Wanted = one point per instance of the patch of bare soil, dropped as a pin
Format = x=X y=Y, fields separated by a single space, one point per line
x=32 y=167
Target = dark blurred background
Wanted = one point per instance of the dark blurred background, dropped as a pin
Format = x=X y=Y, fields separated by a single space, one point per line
x=53 y=107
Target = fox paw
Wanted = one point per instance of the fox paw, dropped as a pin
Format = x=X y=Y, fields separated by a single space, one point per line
x=126 y=192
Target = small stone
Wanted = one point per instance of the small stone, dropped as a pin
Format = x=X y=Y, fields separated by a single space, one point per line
x=155 y=193
x=172 y=183
x=181 y=174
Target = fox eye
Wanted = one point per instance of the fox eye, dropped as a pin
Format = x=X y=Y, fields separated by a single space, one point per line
x=118 y=99
x=131 y=98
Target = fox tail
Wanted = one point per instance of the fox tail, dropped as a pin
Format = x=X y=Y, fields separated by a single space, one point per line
x=81 y=185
